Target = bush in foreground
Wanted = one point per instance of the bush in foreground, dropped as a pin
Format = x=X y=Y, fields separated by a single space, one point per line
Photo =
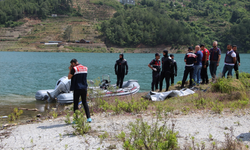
x=155 y=136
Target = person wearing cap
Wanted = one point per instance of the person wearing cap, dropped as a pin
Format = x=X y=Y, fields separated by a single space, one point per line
x=155 y=65
x=205 y=58
x=230 y=60
x=173 y=69
x=189 y=59
x=78 y=76
x=197 y=65
x=167 y=64
x=121 y=69
x=215 y=56
x=237 y=64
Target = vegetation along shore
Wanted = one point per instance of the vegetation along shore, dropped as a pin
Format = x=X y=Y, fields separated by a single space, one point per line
x=215 y=117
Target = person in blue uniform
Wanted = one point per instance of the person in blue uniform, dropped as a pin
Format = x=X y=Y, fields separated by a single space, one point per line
x=167 y=64
x=121 y=69
x=155 y=65
x=79 y=85
x=189 y=59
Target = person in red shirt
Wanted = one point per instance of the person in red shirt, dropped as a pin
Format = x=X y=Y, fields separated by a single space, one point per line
x=204 y=75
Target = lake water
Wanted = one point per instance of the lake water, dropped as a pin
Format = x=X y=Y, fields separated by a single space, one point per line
x=24 y=73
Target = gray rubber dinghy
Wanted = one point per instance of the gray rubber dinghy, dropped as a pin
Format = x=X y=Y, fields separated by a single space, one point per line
x=63 y=94
x=62 y=86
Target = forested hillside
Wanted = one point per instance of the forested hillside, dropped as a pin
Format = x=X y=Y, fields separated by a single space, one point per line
x=13 y=10
x=151 y=22
x=174 y=23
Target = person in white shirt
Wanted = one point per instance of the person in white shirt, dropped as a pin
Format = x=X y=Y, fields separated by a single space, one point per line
x=230 y=60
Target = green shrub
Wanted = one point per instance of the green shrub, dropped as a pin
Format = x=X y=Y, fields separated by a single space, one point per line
x=104 y=105
x=238 y=104
x=15 y=115
x=229 y=85
x=200 y=103
x=179 y=82
x=67 y=120
x=245 y=79
x=217 y=107
x=103 y=136
x=236 y=95
x=185 y=110
x=145 y=136
x=133 y=106
x=80 y=123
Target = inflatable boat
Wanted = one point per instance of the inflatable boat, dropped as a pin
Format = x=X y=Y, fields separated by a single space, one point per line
x=62 y=92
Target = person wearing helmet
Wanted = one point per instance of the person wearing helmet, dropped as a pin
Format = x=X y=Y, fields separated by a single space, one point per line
x=155 y=65
x=121 y=69
x=167 y=64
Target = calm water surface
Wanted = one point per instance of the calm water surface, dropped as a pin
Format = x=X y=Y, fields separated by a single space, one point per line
x=23 y=73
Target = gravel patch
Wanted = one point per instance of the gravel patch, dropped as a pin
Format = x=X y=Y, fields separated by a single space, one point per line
x=55 y=134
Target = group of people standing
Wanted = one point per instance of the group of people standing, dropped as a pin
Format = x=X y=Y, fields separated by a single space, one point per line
x=168 y=71
x=196 y=65
x=165 y=68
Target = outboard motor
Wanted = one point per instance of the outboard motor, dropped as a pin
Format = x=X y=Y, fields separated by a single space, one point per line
x=105 y=82
x=62 y=86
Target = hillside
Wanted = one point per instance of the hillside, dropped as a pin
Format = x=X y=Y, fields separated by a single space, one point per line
x=203 y=21
x=113 y=27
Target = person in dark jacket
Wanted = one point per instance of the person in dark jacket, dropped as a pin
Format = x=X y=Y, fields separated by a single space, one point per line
x=155 y=65
x=173 y=69
x=121 y=69
x=190 y=59
x=78 y=76
x=167 y=64
x=237 y=64
x=215 y=56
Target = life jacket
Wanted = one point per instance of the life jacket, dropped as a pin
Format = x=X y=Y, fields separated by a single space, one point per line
x=79 y=79
x=156 y=64
x=229 y=58
x=80 y=69
x=190 y=59
x=214 y=54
